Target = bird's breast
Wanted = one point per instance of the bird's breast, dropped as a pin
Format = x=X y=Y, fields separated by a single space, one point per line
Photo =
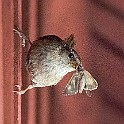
x=50 y=74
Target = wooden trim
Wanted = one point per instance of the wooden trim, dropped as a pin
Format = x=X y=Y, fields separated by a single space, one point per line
x=10 y=62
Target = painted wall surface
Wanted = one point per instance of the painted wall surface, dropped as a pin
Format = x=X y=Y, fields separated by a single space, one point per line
x=98 y=26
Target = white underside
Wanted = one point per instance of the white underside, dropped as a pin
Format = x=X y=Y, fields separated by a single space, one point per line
x=50 y=76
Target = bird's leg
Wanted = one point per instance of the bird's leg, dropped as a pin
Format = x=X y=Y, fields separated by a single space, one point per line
x=22 y=36
x=20 y=92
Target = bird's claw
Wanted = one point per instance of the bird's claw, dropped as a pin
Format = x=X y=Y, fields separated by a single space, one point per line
x=21 y=35
x=19 y=91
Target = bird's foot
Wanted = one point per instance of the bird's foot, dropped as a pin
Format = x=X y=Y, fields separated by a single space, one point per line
x=23 y=37
x=19 y=91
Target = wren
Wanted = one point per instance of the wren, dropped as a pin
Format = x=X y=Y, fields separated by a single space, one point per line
x=50 y=58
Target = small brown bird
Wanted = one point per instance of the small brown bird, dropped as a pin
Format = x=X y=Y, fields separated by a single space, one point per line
x=50 y=58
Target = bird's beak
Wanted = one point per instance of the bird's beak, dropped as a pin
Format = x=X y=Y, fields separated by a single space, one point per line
x=74 y=64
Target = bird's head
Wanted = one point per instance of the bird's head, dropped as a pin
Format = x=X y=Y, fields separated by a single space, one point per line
x=74 y=59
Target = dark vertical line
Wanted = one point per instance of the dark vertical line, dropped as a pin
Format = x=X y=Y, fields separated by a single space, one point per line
x=38 y=91
x=25 y=80
x=39 y=17
x=53 y=105
x=38 y=104
x=113 y=103
x=107 y=43
x=17 y=61
x=109 y=8
x=41 y=93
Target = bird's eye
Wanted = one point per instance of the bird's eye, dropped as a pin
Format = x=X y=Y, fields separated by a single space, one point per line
x=71 y=55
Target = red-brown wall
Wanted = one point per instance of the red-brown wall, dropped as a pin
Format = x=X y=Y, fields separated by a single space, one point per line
x=98 y=26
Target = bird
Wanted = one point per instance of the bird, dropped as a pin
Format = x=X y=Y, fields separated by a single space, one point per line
x=49 y=59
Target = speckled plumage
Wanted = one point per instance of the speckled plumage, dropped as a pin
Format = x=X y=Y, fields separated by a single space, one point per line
x=50 y=58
